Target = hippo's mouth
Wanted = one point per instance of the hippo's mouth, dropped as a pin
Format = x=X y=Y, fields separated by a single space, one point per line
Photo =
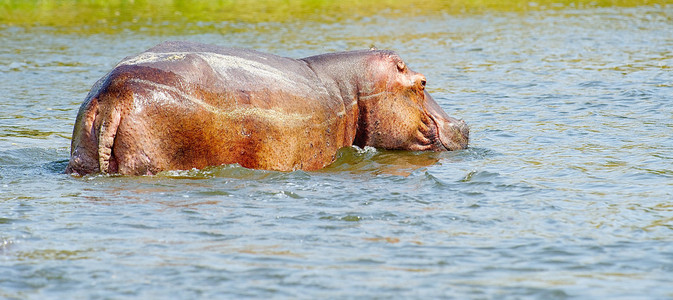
x=451 y=134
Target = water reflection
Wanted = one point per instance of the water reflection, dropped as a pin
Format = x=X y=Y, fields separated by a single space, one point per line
x=372 y=161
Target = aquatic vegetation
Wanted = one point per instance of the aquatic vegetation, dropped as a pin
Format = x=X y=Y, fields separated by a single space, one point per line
x=171 y=15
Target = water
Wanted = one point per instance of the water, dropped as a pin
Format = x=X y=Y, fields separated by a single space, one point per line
x=566 y=191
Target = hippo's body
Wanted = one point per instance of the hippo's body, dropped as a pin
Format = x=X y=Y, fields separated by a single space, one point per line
x=185 y=105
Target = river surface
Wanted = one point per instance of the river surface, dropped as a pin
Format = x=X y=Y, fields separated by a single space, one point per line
x=565 y=192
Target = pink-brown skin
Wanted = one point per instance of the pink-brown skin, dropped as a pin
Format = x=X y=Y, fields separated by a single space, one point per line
x=184 y=105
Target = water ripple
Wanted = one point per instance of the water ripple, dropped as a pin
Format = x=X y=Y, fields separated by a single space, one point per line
x=564 y=192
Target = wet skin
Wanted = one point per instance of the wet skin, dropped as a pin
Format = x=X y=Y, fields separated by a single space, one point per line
x=182 y=105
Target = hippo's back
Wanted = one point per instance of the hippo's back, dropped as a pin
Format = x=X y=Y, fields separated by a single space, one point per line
x=221 y=70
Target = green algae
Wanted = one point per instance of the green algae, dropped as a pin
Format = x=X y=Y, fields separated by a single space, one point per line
x=179 y=16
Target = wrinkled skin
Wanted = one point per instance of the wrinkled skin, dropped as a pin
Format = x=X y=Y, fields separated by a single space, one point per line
x=184 y=105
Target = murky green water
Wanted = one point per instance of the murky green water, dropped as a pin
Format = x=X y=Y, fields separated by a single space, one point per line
x=566 y=191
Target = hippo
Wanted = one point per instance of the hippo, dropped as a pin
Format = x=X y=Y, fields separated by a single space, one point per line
x=185 y=105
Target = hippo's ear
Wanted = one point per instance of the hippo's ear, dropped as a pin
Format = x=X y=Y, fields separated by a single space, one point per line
x=372 y=47
x=401 y=66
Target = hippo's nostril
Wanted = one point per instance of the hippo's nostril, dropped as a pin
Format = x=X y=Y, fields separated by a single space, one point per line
x=423 y=82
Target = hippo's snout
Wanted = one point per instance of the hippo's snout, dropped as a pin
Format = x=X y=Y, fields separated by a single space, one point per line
x=460 y=135
x=453 y=133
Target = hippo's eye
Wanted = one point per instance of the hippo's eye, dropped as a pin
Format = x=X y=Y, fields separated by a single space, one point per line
x=400 y=66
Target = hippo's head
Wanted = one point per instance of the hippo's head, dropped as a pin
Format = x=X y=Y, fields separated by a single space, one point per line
x=395 y=111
